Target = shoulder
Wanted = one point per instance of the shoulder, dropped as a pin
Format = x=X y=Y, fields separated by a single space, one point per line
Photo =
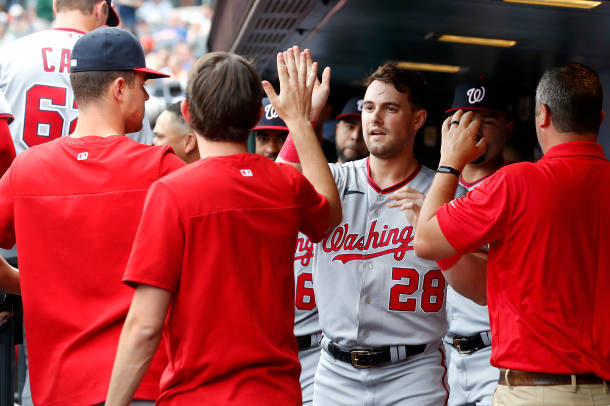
x=349 y=169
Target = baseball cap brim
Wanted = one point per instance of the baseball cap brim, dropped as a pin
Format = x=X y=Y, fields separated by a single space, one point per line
x=451 y=110
x=340 y=116
x=113 y=17
x=271 y=127
x=151 y=73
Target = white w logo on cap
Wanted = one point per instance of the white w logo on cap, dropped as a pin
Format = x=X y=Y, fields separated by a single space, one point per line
x=270 y=112
x=476 y=94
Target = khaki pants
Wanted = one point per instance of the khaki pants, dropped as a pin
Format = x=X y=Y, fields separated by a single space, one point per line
x=556 y=395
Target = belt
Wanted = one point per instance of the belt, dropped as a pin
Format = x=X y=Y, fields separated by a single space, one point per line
x=468 y=345
x=309 y=341
x=524 y=378
x=373 y=357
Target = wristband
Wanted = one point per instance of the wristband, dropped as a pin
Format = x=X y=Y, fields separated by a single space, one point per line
x=289 y=152
x=447 y=263
x=448 y=169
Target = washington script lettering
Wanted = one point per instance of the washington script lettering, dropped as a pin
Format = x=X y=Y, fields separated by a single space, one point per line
x=340 y=239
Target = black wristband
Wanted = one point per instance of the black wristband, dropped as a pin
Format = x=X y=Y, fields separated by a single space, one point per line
x=448 y=169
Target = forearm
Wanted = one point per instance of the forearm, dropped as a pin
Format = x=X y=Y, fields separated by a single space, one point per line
x=9 y=277
x=428 y=233
x=138 y=343
x=136 y=349
x=315 y=167
x=468 y=277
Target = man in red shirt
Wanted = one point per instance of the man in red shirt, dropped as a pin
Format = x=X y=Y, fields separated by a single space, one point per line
x=222 y=252
x=547 y=224
x=73 y=206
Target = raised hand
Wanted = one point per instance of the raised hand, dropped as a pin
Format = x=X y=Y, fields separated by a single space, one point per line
x=459 y=140
x=321 y=90
x=297 y=74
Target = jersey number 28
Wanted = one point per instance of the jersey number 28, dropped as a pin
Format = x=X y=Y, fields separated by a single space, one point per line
x=433 y=290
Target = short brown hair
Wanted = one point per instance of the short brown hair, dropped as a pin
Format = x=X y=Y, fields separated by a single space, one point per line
x=224 y=95
x=84 y=6
x=405 y=81
x=88 y=86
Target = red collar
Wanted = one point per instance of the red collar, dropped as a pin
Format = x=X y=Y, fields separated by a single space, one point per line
x=391 y=188
x=576 y=148
x=69 y=29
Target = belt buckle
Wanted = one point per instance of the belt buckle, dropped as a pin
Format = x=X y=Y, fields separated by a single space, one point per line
x=457 y=343
x=354 y=354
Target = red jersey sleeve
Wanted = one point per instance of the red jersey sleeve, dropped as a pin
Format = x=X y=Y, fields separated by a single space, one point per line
x=477 y=218
x=315 y=208
x=170 y=162
x=7 y=149
x=7 y=228
x=156 y=254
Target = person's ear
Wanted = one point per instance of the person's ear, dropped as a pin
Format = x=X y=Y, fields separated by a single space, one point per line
x=420 y=119
x=184 y=109
x=190 y=143
x=118 y=86
x=543 y=116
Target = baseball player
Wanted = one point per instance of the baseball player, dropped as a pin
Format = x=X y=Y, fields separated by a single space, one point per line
x=381 y=308
x=348 y=132
x=73 y=205
x=306 y=324
x=36 y=84
x=171 y=129
x=238 y=347
x=7 y=149
x=270 y=133
x=471 y=377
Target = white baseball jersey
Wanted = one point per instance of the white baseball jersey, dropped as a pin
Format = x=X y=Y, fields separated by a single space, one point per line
x=34 y=76
x=371 y=289
x=5 y=109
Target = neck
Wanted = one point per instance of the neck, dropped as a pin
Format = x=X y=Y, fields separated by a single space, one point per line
x=388 y=172
x=208 y=148
x=74 y=20
x=561 y=138
x=99 y=121
x=472 y=173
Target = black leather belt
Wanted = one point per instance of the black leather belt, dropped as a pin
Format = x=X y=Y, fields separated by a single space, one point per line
x=468 y=345
x=306 y=342
x=524 y=378
x=369 y=358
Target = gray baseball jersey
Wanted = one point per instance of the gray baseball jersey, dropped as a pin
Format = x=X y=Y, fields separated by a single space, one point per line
x=305 y=312
x=471 y=377
x=371 y=289
x=35 y=79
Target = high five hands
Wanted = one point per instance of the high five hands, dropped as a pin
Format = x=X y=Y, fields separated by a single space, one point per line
x=298 y=80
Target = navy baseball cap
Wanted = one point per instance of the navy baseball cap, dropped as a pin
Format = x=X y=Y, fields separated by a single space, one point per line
x=353 y=108
x=270 y=120
x=110 y=49
x=480 y=95
x=113 y=17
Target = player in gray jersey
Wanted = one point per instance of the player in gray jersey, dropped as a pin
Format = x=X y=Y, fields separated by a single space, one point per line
x=306 y=324
x=381 y=308
x=472 y=379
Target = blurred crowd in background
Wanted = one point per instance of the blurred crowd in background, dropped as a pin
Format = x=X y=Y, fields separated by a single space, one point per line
x=173 y=34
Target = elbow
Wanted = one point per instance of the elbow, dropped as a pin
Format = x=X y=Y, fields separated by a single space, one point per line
x=423 y=248
x=335 y=217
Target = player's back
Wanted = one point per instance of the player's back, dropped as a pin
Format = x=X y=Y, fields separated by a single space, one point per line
x=34 y=76
x=76 y=204
x=239 y=217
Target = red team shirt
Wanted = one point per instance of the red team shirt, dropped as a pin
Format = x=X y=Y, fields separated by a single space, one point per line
x=220 y=235
x=7 y=149
x=549 y=264
x=75 y=204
